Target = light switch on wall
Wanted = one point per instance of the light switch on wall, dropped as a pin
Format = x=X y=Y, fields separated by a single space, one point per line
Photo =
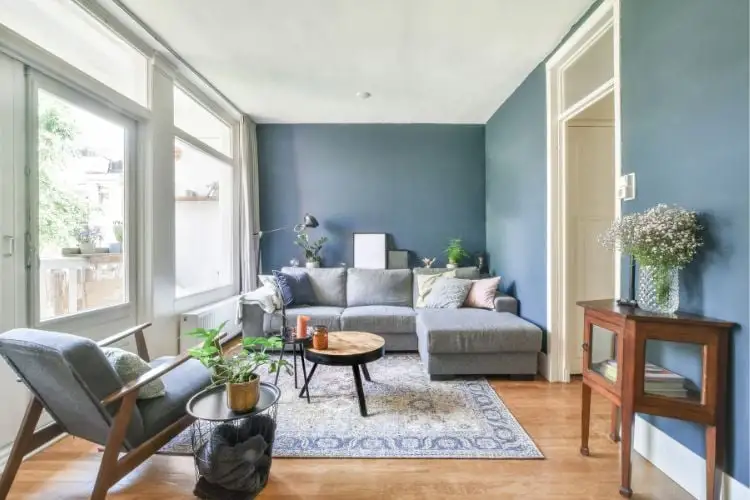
x=626 y=187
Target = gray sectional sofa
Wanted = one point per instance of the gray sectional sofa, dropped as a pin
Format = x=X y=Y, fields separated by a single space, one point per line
x=450 y=342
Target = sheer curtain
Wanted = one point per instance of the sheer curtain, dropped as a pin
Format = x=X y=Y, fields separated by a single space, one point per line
x=248 y=205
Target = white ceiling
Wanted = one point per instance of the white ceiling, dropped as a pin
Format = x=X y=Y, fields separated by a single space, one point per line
x=303 y=61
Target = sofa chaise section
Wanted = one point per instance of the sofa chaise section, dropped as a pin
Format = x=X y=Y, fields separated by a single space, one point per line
x=476 y=341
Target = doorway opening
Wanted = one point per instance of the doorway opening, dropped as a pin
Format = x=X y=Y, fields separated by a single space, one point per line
x=583 y=168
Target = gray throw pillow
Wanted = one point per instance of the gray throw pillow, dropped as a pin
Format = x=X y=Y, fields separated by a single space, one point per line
x=130 y=366
x=448 y=293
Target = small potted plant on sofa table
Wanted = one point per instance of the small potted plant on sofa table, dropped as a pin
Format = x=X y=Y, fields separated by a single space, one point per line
x=455 y=253
x=238 y=372
x=311 y=249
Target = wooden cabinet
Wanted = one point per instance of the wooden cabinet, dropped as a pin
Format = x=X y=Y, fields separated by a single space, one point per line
x=632 y=328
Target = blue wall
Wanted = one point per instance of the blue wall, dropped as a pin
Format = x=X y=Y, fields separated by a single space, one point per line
x=422 y=184
x=516 y=165
x=685 y=135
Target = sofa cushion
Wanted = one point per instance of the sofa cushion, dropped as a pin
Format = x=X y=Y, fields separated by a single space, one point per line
x=448 y=293
x=328 y=284
x=181 y=384
x=379 y=319
x=296 y=289
x=425 y=282
x=319 y=315
x=454 y=331
x=482 y=293
x=464 y=273
x=378 y=287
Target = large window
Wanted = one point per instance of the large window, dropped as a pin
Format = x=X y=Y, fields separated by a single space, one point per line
x=204 y=199
x=82 y=224
x=68 y=32
x=191 y=117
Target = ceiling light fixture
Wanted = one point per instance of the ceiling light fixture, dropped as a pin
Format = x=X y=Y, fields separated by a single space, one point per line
x=364 y=95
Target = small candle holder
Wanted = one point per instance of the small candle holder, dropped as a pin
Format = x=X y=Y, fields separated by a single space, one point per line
x=320 y=338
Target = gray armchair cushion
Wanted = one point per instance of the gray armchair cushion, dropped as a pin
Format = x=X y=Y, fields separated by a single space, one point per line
x=319 y=315
x=70 y=375
x=464 y=273
x=379 y=319
x=181 y=384
x=328 y=284
x=458 y=331
x=378 y=287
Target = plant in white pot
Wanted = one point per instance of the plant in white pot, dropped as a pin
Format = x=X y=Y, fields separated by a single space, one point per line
x=87 y=238
x=238 y=372
x=311 y=248
x=455 y=253
x=663 y=240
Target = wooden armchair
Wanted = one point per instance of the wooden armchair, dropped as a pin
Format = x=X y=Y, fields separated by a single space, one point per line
x=70 y=377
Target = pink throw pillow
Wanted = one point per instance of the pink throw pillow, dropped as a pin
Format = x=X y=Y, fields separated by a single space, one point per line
x=482 y=293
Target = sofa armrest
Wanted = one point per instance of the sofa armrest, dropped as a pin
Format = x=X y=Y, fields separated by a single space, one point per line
x=252 y=321
x=506 y=303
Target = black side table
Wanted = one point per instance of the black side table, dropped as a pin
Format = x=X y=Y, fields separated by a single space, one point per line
x=298 y=347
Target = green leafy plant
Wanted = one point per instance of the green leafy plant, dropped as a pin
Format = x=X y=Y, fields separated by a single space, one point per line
x=241 y=367
x=455 y=251
x=311 y=249
x=117 y=230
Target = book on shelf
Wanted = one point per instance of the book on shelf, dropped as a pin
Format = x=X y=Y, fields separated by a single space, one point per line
x=658 y=380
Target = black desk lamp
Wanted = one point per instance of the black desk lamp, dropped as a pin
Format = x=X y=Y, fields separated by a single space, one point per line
x=308 y=221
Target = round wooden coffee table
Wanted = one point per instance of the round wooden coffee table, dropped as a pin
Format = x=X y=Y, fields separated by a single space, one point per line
x=353 y=349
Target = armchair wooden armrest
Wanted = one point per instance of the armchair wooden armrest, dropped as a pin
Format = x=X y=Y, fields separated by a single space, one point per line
x=140 y=339
x=144 y=379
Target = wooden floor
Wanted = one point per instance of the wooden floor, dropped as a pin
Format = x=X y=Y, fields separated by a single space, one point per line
x=549 y=413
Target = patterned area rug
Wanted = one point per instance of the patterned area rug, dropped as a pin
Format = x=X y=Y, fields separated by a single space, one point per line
x=409 y=417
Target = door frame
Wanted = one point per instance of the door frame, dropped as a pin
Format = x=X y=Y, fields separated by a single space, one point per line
x=554 y=366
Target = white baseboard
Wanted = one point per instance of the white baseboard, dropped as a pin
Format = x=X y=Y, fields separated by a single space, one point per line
x=680 y=464
x=542 y=366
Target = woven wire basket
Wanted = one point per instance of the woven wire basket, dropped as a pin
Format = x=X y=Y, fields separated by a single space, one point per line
x=227 y=443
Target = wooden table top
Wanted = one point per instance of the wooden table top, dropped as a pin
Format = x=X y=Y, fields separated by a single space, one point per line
x=350 y=344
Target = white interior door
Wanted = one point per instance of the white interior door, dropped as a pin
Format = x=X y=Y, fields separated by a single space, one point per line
x=591 y=209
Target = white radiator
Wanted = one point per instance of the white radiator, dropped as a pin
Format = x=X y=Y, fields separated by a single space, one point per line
x=210 y=316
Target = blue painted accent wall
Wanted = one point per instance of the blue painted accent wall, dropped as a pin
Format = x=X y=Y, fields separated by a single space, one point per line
x=516 y=166
x=684 y=67
x=422 y=184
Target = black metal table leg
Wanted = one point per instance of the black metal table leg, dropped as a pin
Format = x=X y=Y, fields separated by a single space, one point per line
x=278 y=370
x=365 y=372
x=305 y=388
x=304 y=376
x=360 y=391
x=294 y=355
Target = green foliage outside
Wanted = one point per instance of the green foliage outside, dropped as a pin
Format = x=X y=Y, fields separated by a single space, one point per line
x=62 y=211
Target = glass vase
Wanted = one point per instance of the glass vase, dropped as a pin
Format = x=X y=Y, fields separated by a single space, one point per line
x=659 y=289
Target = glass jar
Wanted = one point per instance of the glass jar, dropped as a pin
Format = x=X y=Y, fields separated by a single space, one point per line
x=659 y=289
x=320 y=338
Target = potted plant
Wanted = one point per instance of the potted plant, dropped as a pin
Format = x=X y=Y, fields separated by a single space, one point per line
x=87 y=238
x=311 y=249
x=238 y=372
x=117 y=230
x=662 y=240
x=455 y=252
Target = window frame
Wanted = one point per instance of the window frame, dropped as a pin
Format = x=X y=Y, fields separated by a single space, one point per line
x=196 y=299
x=36 y=81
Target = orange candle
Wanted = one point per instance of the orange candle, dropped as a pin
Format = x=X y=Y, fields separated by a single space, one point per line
x=302 y=326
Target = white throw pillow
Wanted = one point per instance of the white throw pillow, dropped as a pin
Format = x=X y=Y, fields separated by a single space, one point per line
x=425 y=282
x=130 y=366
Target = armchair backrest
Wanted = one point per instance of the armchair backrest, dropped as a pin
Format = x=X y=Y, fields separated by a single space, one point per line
x=70 y=376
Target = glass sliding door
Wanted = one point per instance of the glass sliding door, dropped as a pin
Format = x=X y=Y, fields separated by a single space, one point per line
x=80 y=215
